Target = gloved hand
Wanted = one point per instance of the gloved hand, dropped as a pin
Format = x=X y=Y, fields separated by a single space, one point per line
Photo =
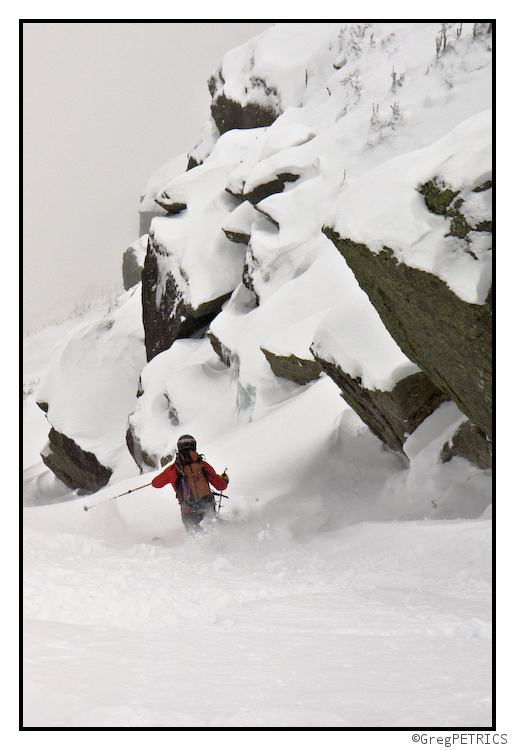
x=225 y=477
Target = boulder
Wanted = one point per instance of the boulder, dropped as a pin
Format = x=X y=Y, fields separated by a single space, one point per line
x=471 y=443
x=391 y=415
x=229 y=114
x=78 y=469
x=296 y=369
x=238 y=225
x=448 y=338
x=271 y=187
x=142 y=458
x=426 y=263
x=260 y=108
x=170 y=206
x=172 y=316
x=240 y=238
x=259 y=104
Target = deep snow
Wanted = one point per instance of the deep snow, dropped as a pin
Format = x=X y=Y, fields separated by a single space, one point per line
x=376 y=625
x=312 y=606
x=347 y=587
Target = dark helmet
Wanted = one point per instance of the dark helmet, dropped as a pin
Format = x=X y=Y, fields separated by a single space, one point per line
x=186 y=443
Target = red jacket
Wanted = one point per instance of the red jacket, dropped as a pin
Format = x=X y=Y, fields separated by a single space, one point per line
x=169 y=476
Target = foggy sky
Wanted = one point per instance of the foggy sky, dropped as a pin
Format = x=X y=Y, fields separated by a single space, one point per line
x=104 y=106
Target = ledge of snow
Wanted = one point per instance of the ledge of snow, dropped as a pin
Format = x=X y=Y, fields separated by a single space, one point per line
x=396 y=215
x=352 y=335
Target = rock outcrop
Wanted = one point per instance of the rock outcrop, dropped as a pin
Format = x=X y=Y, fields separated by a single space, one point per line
x=296 y=369
x=426 y=266
x=470 y=443
x=448 y=338
x=172 y=316
x=296 y=159
x=260 y=192
x=88 y=392
x=262 y=107
x=391 y=415
x=78 y=469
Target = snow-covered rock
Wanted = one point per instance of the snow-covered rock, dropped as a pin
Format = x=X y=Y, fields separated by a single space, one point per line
x=149 y=207
x=191 y=266
x=357 y=129
x=423 y=255
x=88 y=393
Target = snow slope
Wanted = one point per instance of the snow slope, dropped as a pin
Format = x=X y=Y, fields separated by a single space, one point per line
x=373 y=625
x=317 y=603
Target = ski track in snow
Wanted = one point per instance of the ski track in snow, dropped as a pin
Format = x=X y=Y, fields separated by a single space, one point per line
x=376 y=625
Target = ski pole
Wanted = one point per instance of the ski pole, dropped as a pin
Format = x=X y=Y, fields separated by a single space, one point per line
x=87 y=507
x=220 y=495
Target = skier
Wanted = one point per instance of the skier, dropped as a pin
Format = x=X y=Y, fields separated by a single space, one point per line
x=190 y=476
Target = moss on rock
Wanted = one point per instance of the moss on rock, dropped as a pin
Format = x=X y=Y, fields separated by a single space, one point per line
x=438 y=198
x=443 y=201
x=296 y=369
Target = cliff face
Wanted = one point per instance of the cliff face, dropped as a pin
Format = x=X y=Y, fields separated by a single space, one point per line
x=333 y=221
x=450 y=340
x=425 y=262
